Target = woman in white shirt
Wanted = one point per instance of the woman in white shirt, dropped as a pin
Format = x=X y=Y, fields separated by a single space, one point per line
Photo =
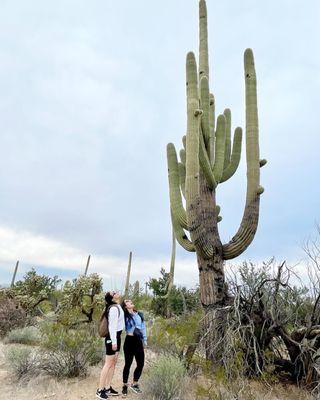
x=115 y=318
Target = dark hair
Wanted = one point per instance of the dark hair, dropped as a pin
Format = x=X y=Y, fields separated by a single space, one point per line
x=127 y=314
x=109 y=301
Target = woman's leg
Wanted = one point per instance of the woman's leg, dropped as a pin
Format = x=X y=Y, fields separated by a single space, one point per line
x=128 y=350
x=139 y=356
x=109 y=364
x=111 y=371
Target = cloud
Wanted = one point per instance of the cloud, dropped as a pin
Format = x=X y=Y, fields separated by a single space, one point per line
x=92 y=93
x=51 y=256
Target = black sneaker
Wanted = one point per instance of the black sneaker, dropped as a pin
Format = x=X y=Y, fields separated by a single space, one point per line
x=135 y=388
x=124 y=390
x=101 y=394
x=111 y=392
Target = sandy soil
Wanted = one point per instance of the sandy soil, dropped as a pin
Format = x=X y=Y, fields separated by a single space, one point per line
x=44 y=387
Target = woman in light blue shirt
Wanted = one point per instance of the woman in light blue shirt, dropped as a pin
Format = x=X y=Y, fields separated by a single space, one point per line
x=135 y=341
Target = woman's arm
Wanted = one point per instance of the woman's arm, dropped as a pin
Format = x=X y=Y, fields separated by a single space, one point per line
x=143 y=329
x=113 y=323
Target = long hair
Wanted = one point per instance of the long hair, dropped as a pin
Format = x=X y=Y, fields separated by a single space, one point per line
x=127 y=314
x=109 y=301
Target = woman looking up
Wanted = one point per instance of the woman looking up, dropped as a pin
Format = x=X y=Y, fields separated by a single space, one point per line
x=135 y=341
x=115 y=317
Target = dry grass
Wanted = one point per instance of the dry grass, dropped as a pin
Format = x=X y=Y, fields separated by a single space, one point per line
x=44 y=387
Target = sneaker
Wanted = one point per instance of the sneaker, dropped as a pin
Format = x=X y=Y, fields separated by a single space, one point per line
x=135 y=388
x=111 y=392
x=101 y=394
x=124 y=390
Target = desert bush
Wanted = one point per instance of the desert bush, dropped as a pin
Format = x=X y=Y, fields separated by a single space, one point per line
x=166 y=379
x=23 y=361
x=27 y=335
x=69 y=352
x=271 y=329
x=11 y=314
x=174 y=335
x=81 y=300
x=33 y=290
x=179 y=301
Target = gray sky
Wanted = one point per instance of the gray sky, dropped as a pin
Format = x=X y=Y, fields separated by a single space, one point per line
x=91 y=93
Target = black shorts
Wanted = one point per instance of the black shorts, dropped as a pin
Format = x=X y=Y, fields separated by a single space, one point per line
x=109 y=351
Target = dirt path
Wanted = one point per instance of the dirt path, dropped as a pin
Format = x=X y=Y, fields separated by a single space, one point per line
x=44 y=387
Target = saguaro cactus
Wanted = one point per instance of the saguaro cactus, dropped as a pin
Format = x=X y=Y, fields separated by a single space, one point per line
x=207 y=160
x=14 y=274
x=126 y=290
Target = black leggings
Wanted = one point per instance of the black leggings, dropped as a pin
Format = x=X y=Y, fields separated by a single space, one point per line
x=133 y=348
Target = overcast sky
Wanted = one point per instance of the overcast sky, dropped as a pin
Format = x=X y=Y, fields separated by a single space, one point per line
x=91 y=93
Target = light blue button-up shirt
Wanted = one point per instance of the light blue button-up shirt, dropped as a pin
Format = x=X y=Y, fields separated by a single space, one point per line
x=136 y=322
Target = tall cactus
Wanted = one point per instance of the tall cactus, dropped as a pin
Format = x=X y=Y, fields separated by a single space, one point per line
x=126 y=289
x=209 y=158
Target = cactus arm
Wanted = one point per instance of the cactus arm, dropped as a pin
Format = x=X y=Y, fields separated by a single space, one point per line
x=219 y=148
x=205 y=106
x=212 y=128
x=183 y=156
x=174 y=187
x=203 y=44
x=227 y=150
x=192 y=140
x=193 y=199
x=250 y=218
x=219 y=218
x=235 y=156
x=184 y=141
x=205 y=163
x=180 y=235
x=182 y=178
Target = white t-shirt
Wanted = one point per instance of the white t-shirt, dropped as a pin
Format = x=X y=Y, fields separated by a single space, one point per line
x=116 y=322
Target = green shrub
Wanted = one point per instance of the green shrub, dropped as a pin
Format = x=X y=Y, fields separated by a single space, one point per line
x=180 y=300
x=81 y=300
x=27 y=335
x=33 y=290
x=69 y=352
x=24 y=362
x=166 y=379
x=174 y=335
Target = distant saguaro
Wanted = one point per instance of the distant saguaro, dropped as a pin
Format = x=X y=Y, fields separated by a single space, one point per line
x=87 y=266
x=126 y=291
x=14 y=273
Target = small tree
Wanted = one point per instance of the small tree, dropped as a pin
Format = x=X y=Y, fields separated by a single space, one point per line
x=179 y=301
x=81 y=297
x=33 y=290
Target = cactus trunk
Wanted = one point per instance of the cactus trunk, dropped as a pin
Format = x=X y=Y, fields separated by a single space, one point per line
x=213 y=290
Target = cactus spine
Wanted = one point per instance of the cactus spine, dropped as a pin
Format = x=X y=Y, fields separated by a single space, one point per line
x=209 y=158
